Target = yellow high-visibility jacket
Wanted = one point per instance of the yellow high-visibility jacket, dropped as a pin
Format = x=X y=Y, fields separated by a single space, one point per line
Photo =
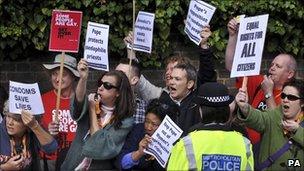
x=212 y=150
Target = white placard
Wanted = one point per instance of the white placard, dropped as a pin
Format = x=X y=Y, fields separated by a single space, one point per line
x=96 y=46
x=162 y=141
x=249 y=46
x=26 y=97
x=143 y=32
x=199 y=15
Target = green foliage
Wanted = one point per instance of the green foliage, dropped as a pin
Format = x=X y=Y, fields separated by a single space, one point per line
x=25 y=24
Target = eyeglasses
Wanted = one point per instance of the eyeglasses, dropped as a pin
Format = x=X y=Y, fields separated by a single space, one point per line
x=290 y=97
x=106 y=85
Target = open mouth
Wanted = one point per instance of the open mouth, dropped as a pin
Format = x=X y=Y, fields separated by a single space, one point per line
x=172 y=89
x=285 y=107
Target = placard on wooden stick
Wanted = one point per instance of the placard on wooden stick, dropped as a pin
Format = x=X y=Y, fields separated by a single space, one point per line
x=64 y=37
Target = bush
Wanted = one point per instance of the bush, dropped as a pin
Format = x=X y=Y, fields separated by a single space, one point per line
x=25 y=24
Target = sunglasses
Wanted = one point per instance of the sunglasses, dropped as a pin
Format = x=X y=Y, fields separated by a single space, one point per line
x=290 y=97
x=106 y=85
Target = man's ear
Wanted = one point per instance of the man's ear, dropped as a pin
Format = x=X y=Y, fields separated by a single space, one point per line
x=291 y=74
x=190 y=84
x=134 y=80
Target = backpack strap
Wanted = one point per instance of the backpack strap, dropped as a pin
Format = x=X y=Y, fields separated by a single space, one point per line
x=271 y=159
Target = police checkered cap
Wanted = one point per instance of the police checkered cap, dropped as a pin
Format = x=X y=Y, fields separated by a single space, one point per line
x=217 y=99
x=213 y=94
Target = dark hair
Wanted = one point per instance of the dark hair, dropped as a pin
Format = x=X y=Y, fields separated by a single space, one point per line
x=190 y=70
x=299 y=85
x=158 y=108
x=135 y=67
x=215 y=114
x=3 y=98
x=124 y=104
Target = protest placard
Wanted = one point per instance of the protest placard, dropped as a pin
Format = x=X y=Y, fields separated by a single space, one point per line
x=96 y=46
x=249 y=46
x=65 y=31
x=199 y=15
x=143 y=32
x=162 y=140
x=26 y=97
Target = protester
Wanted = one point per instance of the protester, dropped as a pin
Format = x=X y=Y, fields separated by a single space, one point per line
x=263 y=91
x=101 y=131
x=3 y=98
x=181 y=85
x=64 y=130
x=132 y=156
x=212 y=144
x=133 y=74
x=20 y=138
x=279 y=127
x=148 y=91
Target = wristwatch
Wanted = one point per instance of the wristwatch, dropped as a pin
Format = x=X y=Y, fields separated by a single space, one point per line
x=268 y=95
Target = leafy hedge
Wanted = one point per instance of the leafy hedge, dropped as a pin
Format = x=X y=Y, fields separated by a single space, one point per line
x=25 y=24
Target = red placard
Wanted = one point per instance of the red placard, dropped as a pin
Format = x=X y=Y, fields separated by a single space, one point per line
x=65 y=31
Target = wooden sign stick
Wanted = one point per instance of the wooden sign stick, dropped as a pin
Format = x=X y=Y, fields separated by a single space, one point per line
x=55 y=118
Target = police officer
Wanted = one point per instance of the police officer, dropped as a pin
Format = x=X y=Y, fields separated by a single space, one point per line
x=212 y=144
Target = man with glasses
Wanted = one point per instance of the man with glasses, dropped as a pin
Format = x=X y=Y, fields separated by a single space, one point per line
x=281 y=128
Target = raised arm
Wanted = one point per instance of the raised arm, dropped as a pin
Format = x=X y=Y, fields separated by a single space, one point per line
x=82 y=83
x=30 y=121
x=206 y=72
x=253 y=118
x=232 y=27
x=146 y=90
x=267 y=87
x=143 y=88
x=47 y=142
x=92 y=111
x=128 y=40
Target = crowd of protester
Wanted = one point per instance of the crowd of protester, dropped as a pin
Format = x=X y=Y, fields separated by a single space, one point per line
x=261 y=128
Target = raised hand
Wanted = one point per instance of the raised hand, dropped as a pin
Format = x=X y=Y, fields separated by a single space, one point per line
x=205 y=34
x=128 y=38
x=233 y=27
x=94 y=99
x=143 y=144
x=28 y=119
x=83 y=69
x=53 y=128
x=241 y=99
x=267 y=84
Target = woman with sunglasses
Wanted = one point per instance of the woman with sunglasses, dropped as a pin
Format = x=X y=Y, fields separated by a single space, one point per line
x=104 y=119
x=280 y=128
x=21 y=137
x=132 y=156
